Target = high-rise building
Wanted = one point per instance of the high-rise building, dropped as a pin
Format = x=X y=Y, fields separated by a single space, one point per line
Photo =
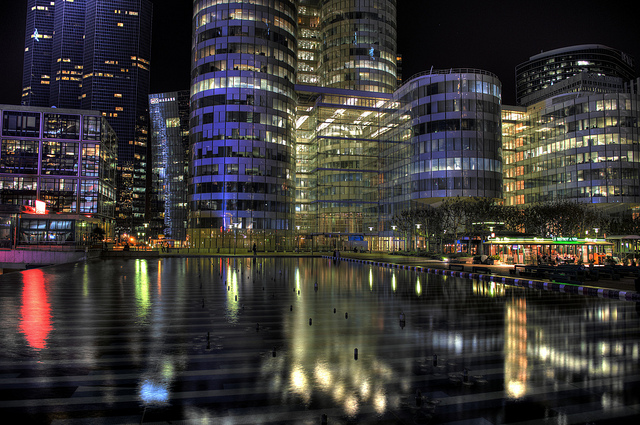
x=169 y=117
x=359 y=49
x=117 y=51
x=582 y=68
x=241 y=131
x=38 y=44
x=576 y=136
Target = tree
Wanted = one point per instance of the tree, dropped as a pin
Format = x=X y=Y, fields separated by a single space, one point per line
x=97 y=234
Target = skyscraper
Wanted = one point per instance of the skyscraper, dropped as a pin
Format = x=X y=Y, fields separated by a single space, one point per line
x=117 y=51
x=38 y=43
x=241 y=131
x=359 y=49
x=67 y=54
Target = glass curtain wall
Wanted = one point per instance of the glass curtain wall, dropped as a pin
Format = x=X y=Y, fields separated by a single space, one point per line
x=340 y=133
x=359 y=45
x=241 y=189
x=583 y=148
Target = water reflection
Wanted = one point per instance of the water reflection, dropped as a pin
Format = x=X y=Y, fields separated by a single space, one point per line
x=519 y=346
x=35 y=314
x=515 y=345
x=142 y=290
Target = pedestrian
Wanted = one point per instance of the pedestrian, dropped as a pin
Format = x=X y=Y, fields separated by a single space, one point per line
x=255 y=249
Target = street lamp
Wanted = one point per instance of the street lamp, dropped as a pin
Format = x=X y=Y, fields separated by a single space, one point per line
x=417 y=235
x=298 y=237
x=393 y=237
x=371 y=236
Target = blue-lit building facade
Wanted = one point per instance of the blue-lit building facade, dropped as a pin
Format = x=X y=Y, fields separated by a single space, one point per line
x=169 y=118
x=64 y=158
x=241 y=131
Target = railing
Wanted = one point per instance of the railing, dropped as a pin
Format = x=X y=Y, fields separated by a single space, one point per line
x=449 y=71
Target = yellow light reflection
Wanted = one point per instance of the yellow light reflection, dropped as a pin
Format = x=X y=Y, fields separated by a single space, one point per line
x=299 y=383
x=141 y=283
x=323 y=376
x=233 y=305
x=516 y=389
x=418 y=288
x=394 y=284
x=380 y=403
x=351 y=406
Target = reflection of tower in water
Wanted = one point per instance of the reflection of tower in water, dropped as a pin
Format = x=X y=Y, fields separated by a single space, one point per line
x=515 y=346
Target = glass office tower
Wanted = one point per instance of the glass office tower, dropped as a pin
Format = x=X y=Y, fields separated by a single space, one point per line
x=67 y=54
x=359 y=49
x=117 y=52
x=63 y=157
x=38 y=43
x=456 y=134
x=169 y=116
x=241 y=130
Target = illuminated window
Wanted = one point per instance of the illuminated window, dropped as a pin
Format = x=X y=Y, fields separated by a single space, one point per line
x=119 y=95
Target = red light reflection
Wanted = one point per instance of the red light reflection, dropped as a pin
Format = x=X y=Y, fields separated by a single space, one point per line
x=35 y=314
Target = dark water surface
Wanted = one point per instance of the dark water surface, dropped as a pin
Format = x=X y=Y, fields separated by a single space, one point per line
x=274 y=340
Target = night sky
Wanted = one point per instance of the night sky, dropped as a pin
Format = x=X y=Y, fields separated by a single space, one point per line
x=490 y=35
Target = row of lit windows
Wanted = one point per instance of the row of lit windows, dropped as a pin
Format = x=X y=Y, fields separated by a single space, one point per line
x=284 y=6
x=251 y=65
x=246 y=82
x=587 y=192
x=223 y=14
x=268 y=51
x=590 y=140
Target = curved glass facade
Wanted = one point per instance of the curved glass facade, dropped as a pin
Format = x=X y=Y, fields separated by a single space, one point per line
x=241 y=123
x=453 y=138
x=359 y=45
x=583 y=148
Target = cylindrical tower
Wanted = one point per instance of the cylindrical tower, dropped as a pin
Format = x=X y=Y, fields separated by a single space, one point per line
x=359 y=45
x=456 y=144
x=241 y=130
